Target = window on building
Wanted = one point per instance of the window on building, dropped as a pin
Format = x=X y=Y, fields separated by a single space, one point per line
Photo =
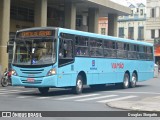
x=137 y=10
x=121 y=32
x=141 y=33
x=152 y=34
x=152 y=12
x=103 y=31
x=131 y=32
x=141 y=12
x=78 y=20
x=22 y=13
x=131 y=12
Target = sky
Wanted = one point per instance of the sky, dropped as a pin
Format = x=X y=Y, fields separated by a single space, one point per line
x=124 y=2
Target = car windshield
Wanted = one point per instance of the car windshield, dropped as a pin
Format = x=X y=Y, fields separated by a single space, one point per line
x=37 y=51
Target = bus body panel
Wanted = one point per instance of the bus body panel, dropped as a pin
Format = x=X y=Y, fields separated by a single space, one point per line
x=66 y=75
x=50 y=81
x=112 y=70
x=35 y=77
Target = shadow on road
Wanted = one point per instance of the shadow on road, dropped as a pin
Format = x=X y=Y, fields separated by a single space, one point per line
x=65 y=91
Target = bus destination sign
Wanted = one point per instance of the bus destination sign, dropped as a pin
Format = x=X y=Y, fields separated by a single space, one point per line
x=44 y=33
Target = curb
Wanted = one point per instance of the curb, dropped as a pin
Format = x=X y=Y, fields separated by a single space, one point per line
x=147 y=104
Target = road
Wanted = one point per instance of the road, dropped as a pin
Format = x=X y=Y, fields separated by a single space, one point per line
x=29 y=99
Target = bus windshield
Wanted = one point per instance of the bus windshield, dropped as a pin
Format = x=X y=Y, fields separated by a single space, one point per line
x=37 y=51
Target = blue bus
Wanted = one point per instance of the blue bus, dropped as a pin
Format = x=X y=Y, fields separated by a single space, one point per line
x=48 y=57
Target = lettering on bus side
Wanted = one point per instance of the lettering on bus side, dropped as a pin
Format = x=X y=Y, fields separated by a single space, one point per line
x=117 y=65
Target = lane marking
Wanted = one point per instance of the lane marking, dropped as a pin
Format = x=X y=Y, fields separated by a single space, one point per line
x=74 y=97
x=42 y=97
x=134 y=92
x=116 y=99
x=10 y=92
x=3 y=89
x=87 y=99
x=23 y=96
x=4 y=95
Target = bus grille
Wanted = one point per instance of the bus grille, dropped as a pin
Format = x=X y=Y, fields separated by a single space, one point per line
x=32 y=73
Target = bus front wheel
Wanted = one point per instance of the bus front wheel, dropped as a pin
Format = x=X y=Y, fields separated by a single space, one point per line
x=43 y=90
x=79 y=85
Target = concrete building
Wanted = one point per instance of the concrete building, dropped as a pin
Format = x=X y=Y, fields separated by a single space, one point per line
x=153 y=26
x=153 y=20
x=73 y=14
x=133 y=25
x=103 y=26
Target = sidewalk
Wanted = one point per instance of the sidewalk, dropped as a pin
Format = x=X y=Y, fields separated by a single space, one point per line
x=147 y=104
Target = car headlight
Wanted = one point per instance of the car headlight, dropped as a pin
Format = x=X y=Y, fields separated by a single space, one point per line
x=51 y=72
x=14 y=72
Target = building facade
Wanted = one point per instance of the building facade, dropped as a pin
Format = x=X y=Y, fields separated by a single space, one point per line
x=153 y=26
x=103 y=26
x=72 y=14
x=133 y=25
x=153 y=20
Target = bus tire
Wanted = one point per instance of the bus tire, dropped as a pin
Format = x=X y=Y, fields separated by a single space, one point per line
x=125 y=83
x=79 y=85
x=43 y=90
x=133 y=80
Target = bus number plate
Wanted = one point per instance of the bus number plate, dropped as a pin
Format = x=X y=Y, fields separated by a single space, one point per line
x=30 y=79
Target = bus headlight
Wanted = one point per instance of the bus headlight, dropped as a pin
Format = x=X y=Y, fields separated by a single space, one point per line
x=52 y=72
x=14 y=72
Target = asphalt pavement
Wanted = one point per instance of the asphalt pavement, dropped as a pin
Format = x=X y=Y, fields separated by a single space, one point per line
x=145 y=104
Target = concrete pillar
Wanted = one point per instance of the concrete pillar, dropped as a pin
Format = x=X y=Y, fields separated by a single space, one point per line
x=40 y=18
x=112 y=24
x=93 y=15
x=70 y=15
x=4 y=32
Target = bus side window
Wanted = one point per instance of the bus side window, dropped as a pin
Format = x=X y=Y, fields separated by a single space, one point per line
x=61 y=55
x=66 y=49
x=81 y=46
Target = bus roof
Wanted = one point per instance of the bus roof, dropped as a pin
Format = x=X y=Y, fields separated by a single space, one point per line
x=88 y=34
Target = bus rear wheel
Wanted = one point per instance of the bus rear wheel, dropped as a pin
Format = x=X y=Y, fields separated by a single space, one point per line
x=125 y=84
x=133 y=80
x=43 y=90
x=79 y=85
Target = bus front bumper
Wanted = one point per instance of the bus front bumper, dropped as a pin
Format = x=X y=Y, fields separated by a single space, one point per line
x=48 y=81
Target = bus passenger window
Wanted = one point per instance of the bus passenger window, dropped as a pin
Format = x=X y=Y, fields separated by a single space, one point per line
x=81 y=46
x=65 y=49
